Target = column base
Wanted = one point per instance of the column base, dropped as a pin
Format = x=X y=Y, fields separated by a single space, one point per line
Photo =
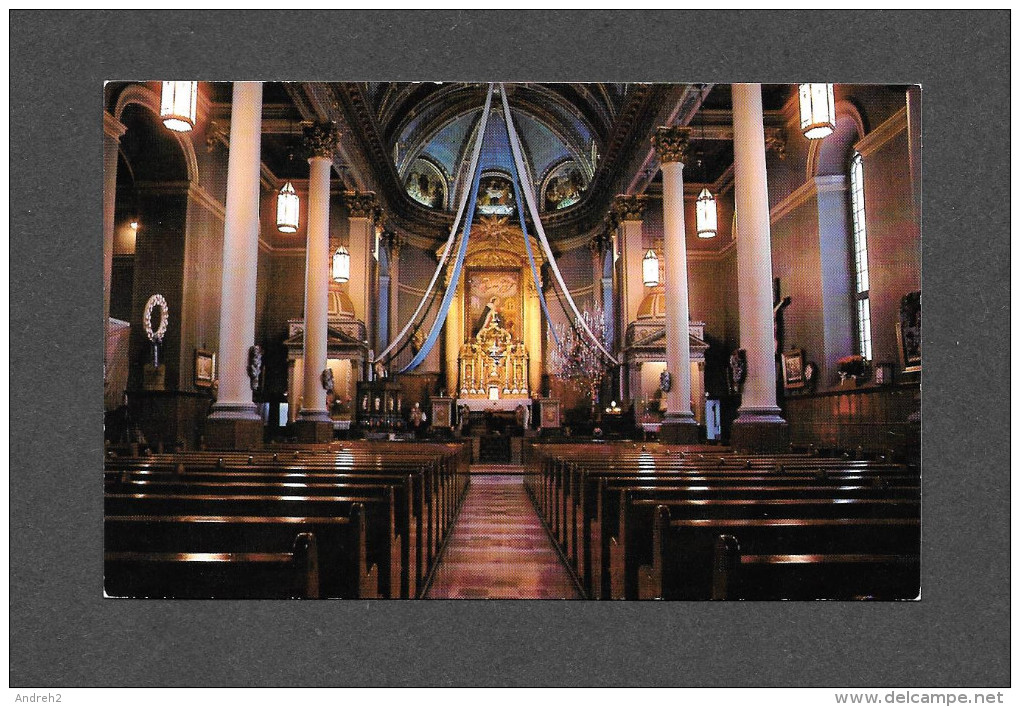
x=312 y=431
x=680 y=430
x=764 y=432
x=232 y=434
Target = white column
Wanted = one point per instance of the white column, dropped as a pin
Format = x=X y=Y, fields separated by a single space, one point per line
x=317 y=265
x=754 y=257
x=112 y=130
x=671 y=144
x=394 y=304
x=362 y=213
x=240 y=255
x=628 y=212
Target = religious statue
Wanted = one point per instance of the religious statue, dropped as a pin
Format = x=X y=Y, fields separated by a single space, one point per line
x=490 y=316
x=255 y=365
x=418 y=420
x=327 y=379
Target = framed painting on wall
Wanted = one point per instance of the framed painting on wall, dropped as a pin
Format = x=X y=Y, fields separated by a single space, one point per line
x=793 y=369
x=908 y=332
x=205 y=368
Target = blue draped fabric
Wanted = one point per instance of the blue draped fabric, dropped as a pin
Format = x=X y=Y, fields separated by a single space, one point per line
x=451 y=289
x=518 y=187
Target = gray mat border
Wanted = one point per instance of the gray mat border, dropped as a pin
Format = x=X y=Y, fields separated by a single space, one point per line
x=64 y=634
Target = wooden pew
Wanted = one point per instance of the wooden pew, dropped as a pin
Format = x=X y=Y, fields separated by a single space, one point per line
x=438 y=484
x=344 y=570
x=207 y=575
x=403 y=545
x=632 y=547
x=686 y=559
x=814 y=576
x=379 y=512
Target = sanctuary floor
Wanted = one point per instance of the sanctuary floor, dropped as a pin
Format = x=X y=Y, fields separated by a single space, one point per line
x=498 y=548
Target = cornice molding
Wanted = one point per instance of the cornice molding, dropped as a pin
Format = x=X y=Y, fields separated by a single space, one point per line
x=805 y=192
x=883 y=133
x=201 y=196
x=112 y=127
x=796 y=198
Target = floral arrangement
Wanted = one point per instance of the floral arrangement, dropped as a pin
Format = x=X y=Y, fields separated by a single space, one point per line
x=852 y=366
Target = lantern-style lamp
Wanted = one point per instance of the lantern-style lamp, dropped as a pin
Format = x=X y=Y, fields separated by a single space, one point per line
x=341 y=265
x=287 y=203
x=817 y=110
x=650 y=269
x=706 y=215
x=178 y=105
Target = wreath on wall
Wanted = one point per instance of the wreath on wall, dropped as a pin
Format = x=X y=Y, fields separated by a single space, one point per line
x=155 y=334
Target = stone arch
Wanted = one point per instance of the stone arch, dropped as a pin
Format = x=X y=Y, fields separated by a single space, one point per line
x=140 y=95
x=831 y=155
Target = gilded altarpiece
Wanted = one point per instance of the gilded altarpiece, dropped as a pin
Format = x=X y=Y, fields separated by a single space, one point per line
x=493 y=332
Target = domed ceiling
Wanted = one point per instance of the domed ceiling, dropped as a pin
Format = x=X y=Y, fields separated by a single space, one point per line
x=583 y=143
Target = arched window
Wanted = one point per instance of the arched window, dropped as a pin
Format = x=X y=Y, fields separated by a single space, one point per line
x=860 y=253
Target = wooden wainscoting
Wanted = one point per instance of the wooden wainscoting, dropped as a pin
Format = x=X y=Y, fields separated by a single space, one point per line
x=874 y=418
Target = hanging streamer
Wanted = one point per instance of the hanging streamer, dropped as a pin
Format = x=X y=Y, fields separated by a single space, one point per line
x=524 y=227
x=451 y=287
x=529 y=196
x=476 y=151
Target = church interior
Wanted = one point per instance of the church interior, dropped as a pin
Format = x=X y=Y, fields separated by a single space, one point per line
x=512 y=341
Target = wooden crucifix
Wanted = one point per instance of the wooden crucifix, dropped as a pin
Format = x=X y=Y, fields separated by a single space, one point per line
x=779 y=303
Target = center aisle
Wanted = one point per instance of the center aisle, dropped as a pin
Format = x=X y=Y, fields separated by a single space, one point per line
x=499 y=549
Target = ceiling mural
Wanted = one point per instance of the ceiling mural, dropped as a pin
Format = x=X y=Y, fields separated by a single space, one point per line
x=495 y=195
x=426 y=184
x=563 y=187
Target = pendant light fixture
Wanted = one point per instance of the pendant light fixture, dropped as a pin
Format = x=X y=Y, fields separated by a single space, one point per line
x=650 y=269
x=287 y=204
x=817 y=110
x=706 y=218
x=178 y=105
x=341 y=265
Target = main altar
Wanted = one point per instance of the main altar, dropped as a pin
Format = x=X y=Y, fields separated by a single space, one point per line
x=494 y=330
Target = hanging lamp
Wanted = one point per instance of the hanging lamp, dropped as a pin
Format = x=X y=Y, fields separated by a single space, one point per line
x=341 y=265
x=287 y=204
x=817 y=110
x=650 y=269
x=178 y=105
x=706 y=219
x=706 y=215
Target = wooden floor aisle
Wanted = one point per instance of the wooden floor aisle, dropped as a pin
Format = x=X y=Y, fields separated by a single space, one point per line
x=498 y=549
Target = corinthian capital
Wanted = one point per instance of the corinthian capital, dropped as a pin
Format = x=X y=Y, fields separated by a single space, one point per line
x=362 y=204
x=672 y=144
x=629 y=208
x=321 y=139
